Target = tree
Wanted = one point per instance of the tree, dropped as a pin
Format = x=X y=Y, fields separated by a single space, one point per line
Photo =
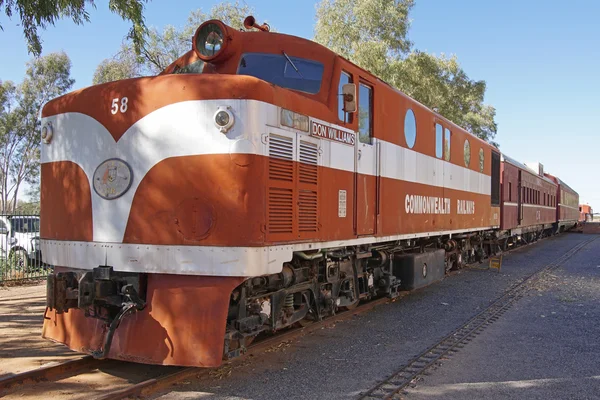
x=27 y=208
x=35 y=14
x=123 y=65
x=374 y=35
x=440 y=83
x=161 y=48
x=46 y=77
x=370 y=33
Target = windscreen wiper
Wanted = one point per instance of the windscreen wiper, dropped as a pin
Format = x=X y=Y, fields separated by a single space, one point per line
x=292 y=63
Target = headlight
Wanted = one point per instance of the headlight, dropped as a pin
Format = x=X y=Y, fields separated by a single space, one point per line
x=210 y=40
x=224 y=119
x=47 y=133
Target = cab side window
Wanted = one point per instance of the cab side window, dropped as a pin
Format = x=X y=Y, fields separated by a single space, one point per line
x=344 y=79
x=439 y=133
x=447 y=144
x=365 y=113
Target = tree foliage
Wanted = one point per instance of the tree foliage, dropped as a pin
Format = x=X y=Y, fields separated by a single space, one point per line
x=162 y=47
x=20 y=110
x=374 y=35
x=123 y=65
x=36 y=14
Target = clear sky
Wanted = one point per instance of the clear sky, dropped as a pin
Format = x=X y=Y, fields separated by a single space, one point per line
x=540 y=59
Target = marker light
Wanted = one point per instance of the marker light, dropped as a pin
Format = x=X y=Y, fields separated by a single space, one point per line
x=224 y=119
x=47 y=133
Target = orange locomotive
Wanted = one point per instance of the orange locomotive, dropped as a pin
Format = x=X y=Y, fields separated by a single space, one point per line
x=259 y=181
x=586 y=213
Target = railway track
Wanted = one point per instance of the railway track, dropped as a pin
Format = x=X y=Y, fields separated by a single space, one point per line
x=52 y=371
x=71 y=368
x=385 y=390
x=391 y=387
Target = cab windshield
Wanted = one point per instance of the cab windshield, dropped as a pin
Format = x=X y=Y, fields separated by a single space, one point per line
x=283 y=70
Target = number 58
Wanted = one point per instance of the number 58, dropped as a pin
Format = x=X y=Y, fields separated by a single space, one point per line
x=115 y=105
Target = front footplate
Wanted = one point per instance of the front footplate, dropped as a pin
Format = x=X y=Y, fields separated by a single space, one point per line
x=102 y=293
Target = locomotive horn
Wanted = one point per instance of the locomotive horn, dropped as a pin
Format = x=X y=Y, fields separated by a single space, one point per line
x=250 y=23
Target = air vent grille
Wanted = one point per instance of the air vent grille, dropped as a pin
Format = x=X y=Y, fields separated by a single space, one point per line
x=281 y=210
x=307 y=211
x=292 y=194
x=309 y=160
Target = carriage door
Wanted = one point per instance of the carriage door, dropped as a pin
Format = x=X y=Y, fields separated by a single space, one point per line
x=520 y=199
x=365 y=165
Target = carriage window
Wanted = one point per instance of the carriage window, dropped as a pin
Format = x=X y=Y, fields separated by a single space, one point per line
x=344 y=79
x=467 y=153
x=509 y=191
x=447 y=145
x=439 y=137
x=283 y=70
x=365 y=114
x=410 y=128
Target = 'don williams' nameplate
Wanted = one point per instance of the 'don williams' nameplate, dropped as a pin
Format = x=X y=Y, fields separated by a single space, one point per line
x=112 y=178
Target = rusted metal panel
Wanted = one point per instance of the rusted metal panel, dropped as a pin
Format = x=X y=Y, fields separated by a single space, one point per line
x=183 y=323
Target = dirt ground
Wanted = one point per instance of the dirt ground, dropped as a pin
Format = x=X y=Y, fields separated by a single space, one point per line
x=21 y=316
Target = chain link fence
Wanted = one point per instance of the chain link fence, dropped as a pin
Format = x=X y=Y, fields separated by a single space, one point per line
x=20 y=253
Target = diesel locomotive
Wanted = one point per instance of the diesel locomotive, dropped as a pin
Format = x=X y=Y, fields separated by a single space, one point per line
x=259 y=182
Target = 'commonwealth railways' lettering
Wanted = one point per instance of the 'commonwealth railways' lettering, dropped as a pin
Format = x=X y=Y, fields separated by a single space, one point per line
x=415 y=204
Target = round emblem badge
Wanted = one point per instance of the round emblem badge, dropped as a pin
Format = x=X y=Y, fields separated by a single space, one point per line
x=112 y=178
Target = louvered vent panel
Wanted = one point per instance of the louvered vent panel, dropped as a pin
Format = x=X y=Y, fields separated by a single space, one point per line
x=281 y=210
x=309 y=159
x=307 y=211
x=281 y=156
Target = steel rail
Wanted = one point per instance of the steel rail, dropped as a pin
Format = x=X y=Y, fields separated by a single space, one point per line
x=391 y=386
x=48 y=372
x=154 y=385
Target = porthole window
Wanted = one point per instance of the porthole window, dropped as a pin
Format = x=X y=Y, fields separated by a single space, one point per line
x=481 y=160
x=410 y=128
x=467 y=151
